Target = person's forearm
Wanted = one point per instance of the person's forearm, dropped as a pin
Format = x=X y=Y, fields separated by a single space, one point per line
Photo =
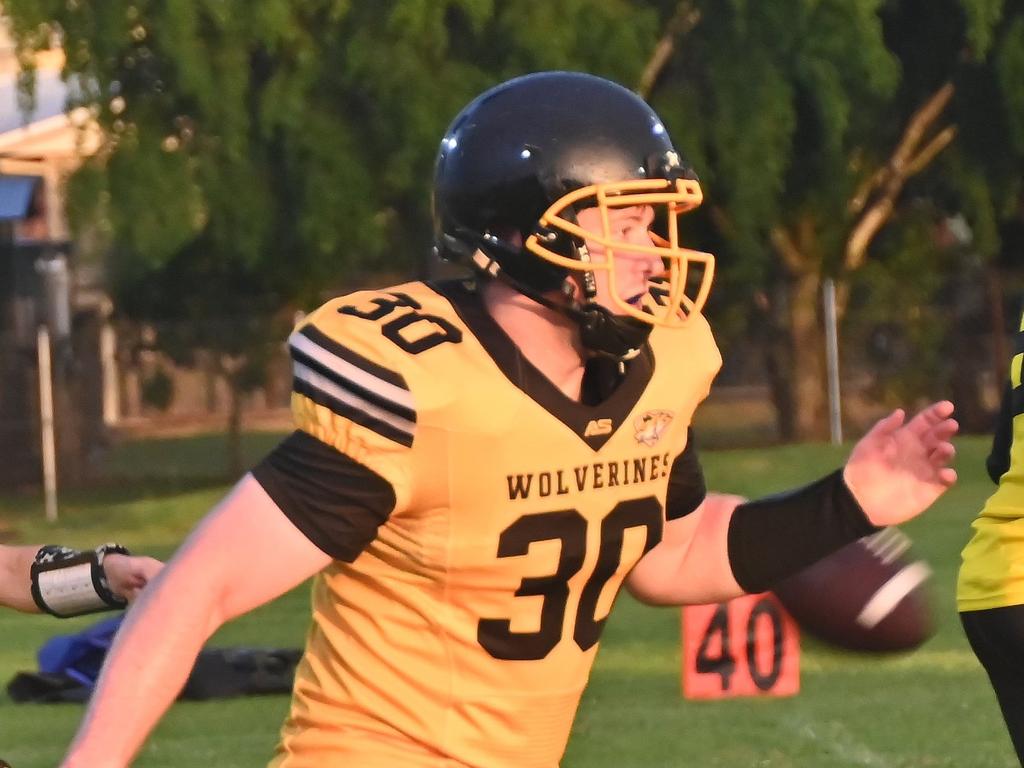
x=147 y=666
x=15 y=579
x=218 y=574
x=691 y=564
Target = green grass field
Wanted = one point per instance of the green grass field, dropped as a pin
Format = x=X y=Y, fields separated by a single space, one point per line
x=925 y=709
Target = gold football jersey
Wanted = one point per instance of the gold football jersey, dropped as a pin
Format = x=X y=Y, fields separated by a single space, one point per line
x=464 y=633
x=992 y=569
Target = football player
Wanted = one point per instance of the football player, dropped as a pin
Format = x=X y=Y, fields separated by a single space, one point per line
x=990 y=590
x=478 y=466
x=65 y=582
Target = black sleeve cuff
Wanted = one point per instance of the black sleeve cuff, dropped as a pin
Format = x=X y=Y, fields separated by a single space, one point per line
x=335 y=501
x=775 y=537
x=686 y=485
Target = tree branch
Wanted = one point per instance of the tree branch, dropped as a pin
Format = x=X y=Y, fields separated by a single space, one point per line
x=682 y=23
x=787 y=250
x=931 y=150
x=919 y=122
x=885 y=185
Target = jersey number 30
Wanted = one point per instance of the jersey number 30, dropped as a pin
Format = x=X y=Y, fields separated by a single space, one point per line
x=406 y=331
x=568 y=527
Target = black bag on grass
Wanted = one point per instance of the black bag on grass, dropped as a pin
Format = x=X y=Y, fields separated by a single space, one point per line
x=221 y=673
x=70 y=664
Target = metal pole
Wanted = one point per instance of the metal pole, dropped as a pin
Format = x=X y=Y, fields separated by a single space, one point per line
x=835 y=418
x=46 y=424
x=108 y=365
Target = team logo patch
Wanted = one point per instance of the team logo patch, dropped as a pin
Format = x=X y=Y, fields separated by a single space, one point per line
x=650 y=426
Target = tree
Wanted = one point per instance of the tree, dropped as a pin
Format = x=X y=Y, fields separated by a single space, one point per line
x=258 y=154
x=807 y=122
x=981 y=56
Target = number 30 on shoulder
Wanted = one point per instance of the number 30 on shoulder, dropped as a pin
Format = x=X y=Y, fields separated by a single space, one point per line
x=748 y=646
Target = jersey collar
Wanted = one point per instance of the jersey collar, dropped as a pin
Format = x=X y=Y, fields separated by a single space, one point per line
x=594 y=423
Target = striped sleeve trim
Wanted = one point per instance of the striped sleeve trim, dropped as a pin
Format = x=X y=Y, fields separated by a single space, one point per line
x=351 y=386
x=344 y=358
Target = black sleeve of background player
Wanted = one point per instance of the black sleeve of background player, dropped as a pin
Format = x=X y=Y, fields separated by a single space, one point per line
x=998 y=460
x=686 y=486
x=336 y=502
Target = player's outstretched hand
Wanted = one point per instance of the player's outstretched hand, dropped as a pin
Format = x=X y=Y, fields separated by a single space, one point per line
x=897 y=470
x=128 y=575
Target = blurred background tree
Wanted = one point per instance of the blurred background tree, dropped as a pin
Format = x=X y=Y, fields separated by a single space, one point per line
x=811 y=123
x=257 y=155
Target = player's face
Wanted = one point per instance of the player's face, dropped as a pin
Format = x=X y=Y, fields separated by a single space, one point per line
x=630 y=270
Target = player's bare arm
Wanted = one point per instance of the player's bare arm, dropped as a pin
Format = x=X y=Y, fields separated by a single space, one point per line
x=894 y=473
x=15 y=582
x=243 y=554
x=690 y=565
x=66 y=582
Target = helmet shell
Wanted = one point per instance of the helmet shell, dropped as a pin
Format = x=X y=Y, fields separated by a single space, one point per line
x=521 y=146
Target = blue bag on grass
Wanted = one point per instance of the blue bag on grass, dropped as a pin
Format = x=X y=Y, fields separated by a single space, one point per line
x=68 y=665
x=79 y=656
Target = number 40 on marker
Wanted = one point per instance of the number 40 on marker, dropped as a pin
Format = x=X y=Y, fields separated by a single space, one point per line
x=748 y=646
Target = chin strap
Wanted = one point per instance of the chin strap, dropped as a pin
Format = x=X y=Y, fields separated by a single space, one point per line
x=620 y=338
x=601 y=331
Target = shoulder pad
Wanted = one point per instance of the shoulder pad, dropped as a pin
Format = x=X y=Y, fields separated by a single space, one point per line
x=355 y=355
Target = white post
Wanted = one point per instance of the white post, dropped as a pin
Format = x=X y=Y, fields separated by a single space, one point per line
x=835 y=418
x=108 y=365
x=46 y=424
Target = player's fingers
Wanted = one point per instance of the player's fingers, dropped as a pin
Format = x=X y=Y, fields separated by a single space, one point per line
x=887 y=425
x=942 y=432
x=947 y=476
x=942 y=454
x=930 y=416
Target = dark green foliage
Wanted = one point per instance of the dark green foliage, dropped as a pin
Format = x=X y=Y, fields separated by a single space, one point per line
x=158 y=390
x=297 y=133
x=259 y=154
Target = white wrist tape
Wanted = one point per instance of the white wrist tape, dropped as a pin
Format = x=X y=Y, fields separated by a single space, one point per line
x=66 y=582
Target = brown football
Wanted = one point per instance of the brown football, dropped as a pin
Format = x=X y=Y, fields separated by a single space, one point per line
x=868 y=596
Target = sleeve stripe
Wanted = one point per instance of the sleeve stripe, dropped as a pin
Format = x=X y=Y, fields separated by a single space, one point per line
x=311 y=363
x=332 y=389
x=313 y=342
x=328 y=394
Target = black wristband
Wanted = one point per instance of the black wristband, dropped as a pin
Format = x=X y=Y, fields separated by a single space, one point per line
x=775 y=537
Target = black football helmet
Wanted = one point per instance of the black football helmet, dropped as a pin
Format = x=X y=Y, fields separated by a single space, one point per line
x=523 y=158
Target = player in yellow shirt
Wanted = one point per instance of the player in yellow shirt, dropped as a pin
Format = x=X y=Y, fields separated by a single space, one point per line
x=478 y=466
x=990 y=591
